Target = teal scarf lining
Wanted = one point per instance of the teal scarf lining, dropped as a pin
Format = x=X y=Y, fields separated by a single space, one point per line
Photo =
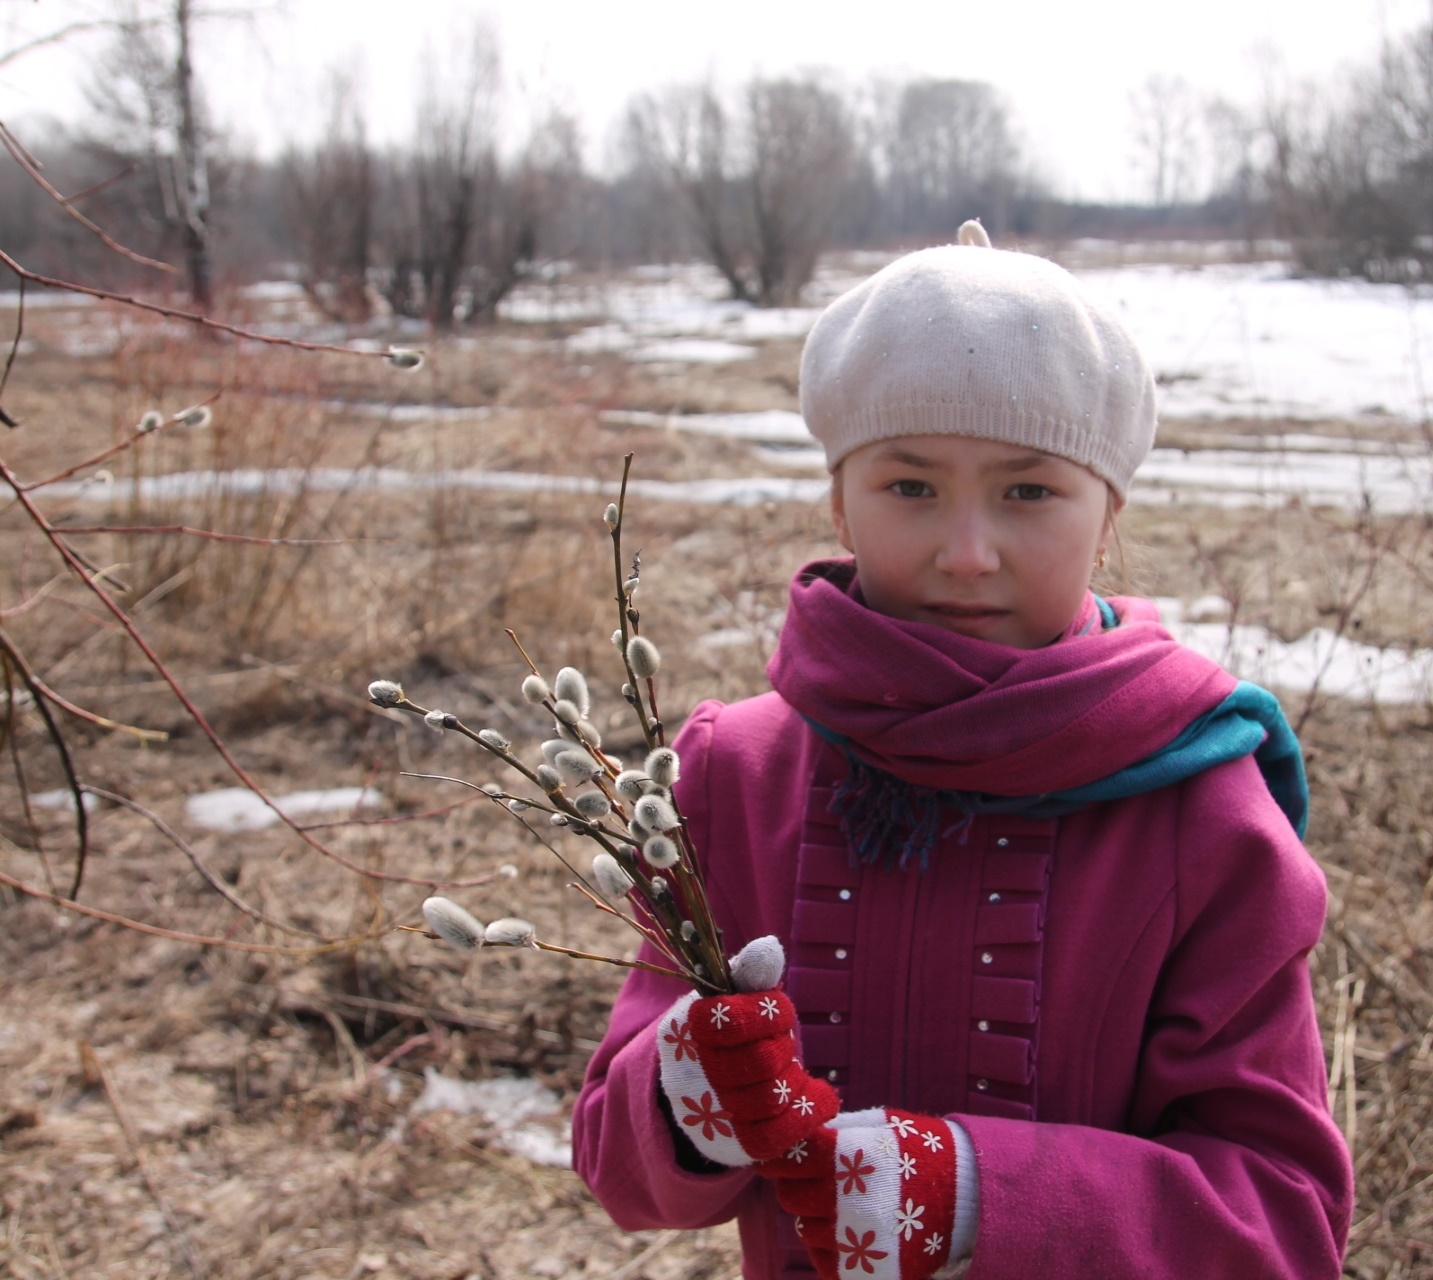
x=875 y=807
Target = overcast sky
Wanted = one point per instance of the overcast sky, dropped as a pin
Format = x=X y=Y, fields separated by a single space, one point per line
x=1067 y=67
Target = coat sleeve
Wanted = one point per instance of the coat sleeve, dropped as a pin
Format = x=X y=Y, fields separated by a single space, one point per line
x=1230 y=1164
x=622 y=1143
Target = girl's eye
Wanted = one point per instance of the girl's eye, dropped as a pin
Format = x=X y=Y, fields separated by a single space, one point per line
x=910 y=488
x=1029 y=492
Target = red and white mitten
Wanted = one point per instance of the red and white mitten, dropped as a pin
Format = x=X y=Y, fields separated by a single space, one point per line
x=729 y=1067
x=873 y=1193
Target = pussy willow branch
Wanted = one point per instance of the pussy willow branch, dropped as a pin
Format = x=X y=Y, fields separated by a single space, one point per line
x=104 y=455
x=176 y=313
x=623 y=605
x=688 y=870
x=15 y=658
x=28 y=163
x=581 y=882
x=220 y=746
x=549 y=705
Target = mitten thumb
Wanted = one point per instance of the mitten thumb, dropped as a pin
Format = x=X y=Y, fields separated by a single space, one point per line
x=758 y=966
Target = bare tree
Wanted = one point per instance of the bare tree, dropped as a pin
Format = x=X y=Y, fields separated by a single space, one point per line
x=759 y=183
x=148 y=108
x=950 y=154
x=1235 y=150
x=464 y=223
x=192 y=167
x=328 y=197
x=1350 y=170
x=680 y=140
x=1167 y=114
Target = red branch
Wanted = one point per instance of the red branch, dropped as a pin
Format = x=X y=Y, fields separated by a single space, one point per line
x=27 y=162
x=218 y=743
x=104 y=455
x=174 y=313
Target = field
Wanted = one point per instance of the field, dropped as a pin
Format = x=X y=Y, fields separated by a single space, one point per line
x=171 y=1109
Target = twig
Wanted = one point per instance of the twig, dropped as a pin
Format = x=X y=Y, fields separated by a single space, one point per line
x=12 y=740
x=68 y=555
x=68 y=30
x=174 y=935
x=34 y=598
x=635 y=1266
x=175 y=313
x=95 y=188
x=345 y=1041
x=391 y=821
x=14 y=351
x=28 y=164
x=38 y=686
x=470 y=1021
x=62 y=749
x=104 y=455
x=215 y=882
x=95 y=1068
x=622 y=964
x=204 y=533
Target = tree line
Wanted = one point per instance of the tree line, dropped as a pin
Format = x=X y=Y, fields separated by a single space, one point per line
x=758 y=179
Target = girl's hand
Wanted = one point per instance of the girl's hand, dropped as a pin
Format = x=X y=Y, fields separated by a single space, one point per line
x=729 y=1067
x=873 y=1193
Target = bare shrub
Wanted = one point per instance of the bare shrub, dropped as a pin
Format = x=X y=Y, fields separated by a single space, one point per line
x=759 y=180
x=1350 y=170
x=950 y=153
x=464 y=222
x=328 y=197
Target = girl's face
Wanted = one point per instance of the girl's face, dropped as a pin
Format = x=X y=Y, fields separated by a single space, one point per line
x=983 y=538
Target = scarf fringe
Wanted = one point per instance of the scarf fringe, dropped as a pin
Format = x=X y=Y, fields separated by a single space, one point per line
x=875 y=808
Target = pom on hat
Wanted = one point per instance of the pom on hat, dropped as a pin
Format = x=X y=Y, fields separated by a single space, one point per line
x=972 y=341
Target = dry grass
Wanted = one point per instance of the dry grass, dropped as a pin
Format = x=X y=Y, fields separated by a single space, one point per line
x=263 y=1138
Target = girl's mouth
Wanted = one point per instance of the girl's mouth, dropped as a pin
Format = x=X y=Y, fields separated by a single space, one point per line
x=966 y=615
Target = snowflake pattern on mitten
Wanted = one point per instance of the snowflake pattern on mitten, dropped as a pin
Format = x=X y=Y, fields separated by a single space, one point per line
x=729 y=1069
x=873 y=1193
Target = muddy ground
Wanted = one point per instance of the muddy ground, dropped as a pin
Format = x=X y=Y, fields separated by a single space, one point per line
x=171 y=1109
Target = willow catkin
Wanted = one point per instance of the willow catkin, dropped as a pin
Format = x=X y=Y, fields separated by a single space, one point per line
x=643 y=657
x=571 y=686
x=452 y=923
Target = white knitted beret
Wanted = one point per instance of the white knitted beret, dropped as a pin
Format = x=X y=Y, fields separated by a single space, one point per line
x=973 y=341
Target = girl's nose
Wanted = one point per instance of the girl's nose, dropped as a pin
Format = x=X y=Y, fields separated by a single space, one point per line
x=967 y=549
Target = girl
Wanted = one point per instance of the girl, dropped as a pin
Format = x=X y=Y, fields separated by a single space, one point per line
x=1036 y=868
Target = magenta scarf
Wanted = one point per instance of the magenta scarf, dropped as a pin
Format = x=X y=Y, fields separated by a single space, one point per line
x=948 y=712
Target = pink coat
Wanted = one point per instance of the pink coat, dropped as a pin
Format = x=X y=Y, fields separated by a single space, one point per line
x=1115 y=1005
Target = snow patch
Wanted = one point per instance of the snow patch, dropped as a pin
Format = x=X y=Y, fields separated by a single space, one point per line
x=693 y=351
x=239 y=809
x=411 y=413
x=184 y=486
x=1334 y=664
x=769 y=426
x=510 y=1106
x=64 y=799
